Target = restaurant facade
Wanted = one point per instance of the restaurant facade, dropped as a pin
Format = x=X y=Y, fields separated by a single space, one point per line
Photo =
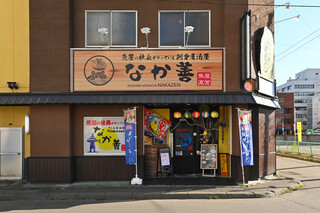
x=186 y=68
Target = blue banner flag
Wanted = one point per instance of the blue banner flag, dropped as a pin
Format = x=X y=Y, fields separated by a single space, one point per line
x=246 y=143
x=130 y=143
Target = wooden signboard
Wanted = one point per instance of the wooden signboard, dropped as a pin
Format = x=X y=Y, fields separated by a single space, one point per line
x=148 y=70
x=209 y=158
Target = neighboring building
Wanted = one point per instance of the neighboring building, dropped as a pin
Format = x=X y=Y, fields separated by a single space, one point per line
x=309 y=75
x=313 y=109
x=14 y=68
x=88 y=62
x=306 y=84
x=285 y=115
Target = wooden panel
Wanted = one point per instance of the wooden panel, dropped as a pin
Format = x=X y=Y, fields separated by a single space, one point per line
x=145 y=70
x=151 y=163
x=50 y=130
x=266 y=131
x=267 y=164
x=50 y=30
x=105 y=168
x=42 y=169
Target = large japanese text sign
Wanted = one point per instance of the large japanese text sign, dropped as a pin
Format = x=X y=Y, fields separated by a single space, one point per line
x=148 y=70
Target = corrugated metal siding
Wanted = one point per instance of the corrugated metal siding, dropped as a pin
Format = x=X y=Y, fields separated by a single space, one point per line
x=126 y=98
x=50 y=169
x=105 y=168
x=69 y=169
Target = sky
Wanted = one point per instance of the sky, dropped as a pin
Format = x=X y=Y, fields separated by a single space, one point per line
x=297 y=42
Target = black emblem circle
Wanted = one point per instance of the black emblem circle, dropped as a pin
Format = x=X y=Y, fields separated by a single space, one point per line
x=103 y=77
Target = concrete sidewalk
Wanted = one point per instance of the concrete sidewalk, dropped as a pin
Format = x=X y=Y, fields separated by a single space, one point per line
x=20 y=190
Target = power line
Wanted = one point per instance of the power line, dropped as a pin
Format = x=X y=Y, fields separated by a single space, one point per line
x=242 y=4
x=298 y=48
x=299 y=42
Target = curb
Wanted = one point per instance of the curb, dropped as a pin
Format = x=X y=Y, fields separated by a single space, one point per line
x=17 y=195
x=300 y=157
x=100 y=191
x=67 y=194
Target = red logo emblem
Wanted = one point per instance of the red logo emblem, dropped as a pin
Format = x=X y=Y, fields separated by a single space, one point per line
x=204 y=79
x=123 y=147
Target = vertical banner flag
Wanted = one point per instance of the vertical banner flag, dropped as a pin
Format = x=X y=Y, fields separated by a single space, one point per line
x=246 y=144
x=130 y=143
x=130 y=133
x=299 y=129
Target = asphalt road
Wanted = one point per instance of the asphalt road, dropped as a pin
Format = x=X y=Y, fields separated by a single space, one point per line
x=305 y=200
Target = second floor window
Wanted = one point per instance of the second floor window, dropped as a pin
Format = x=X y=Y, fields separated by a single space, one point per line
x=121 y=27
x=172 y=28
x=287 y=110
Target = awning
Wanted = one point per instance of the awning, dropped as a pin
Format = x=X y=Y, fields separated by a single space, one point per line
x=261 y=100
x=134 y=98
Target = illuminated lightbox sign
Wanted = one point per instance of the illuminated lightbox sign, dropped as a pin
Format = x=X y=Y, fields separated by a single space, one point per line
x=147 y=70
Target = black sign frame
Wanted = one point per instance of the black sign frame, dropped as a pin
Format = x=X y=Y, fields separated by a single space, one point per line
x=209 y=156
x=165 y=168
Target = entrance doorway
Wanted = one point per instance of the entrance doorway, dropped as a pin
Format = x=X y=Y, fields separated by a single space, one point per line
x=185 y=157
x=11 y=154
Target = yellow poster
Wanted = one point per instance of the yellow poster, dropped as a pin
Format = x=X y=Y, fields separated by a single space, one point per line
x=224 y=164
x=299 y=128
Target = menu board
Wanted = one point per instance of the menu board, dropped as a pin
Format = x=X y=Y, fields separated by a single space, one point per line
x=208 y=156
x=164 y=154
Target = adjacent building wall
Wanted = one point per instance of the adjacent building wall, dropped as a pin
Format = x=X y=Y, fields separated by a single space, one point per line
x=14 y=66
x=14 y=44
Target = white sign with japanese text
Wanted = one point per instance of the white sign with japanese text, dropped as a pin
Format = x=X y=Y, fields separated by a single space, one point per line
x=103 y=136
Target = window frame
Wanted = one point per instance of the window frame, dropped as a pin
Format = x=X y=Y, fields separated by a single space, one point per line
x=184 y=21
x=110 y=30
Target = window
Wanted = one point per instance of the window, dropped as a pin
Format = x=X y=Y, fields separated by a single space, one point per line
x=287 y=121
x=303 y=93
x=279 y=110
x=301 y=109
x=281 y=99
x=279 y=120
x=287 y=110
x=172 y=24
x=304 y=86
x=121 y=25
x=300 y=101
